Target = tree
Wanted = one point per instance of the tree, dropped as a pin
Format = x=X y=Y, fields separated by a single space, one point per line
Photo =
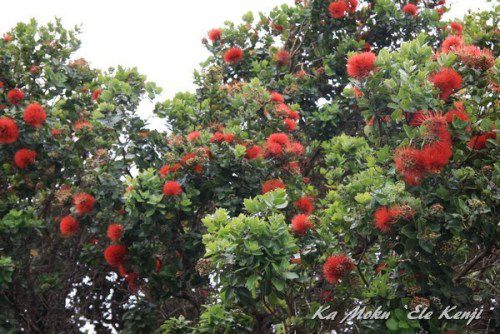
x=334 y=153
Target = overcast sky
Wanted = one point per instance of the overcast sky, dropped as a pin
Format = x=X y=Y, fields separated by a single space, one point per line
x=161 y=38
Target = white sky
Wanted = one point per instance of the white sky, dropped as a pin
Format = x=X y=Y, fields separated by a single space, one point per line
x=161 y=38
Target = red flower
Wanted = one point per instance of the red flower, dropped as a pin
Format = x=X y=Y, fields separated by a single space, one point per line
x=336 y=267
x=175 y=167
x=186 y=159
x=435 y=127
x=215 y=34
x=233 y=55
x=479 y=142
x=446 y=80
x=459 y=113
x=9 y=132
x=198 y=169
x=83 y=203
x=294 y=167
x=409 y=163
x=301 y=223
x=278 y=138
x=68 y=226
x=56 y=132
x=410 y=9
x=164 y=170
x=440 y=11
x=228 y=137
x=418 y=118
x=24 y=157
x=34 y=115
x=271 y=185
x=337 y=9
x=273 y=149
x=217 y=137
x=290 y=124
x=293 y=114
x=277 y=97
x=7 y=37
x=305 y=205
x=15 y=96
x=96 y=94
x=115 y=232
x=283 y=57
x=253 y=152
x=361 y=65
x=115 y=255
x=475 y=57
x=295 y=148
x=456 y=27
x=383 y=219
x=195 y=135
x=172 y=188
x=81 y=124
x=452 y=43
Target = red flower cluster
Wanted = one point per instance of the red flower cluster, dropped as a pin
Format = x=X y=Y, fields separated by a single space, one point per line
x=410 y=9
x=276 y=142
x=233 y=55
x=336 y=267
x=361 y=65
x=253 y=152
x=305 y=204
x=24 y=157
x=115 y=232
x=9 y=132
x=409 y=164
x=81 y=124
x=385 y=217
x=34 y=115
x=96 y=94
x=479 y=142
x=68 y=226
x=83 y=203
x=193 y=136
x=15 y=96
x=290 y=124
x=215 y=34
x=277 y=97
x=446 y=80
x=172 y=188
x=413 y=163
x=271 y=185
x=458 y=112
x=283 y=57
x=475 y=57
x=456 y=27
x=451 y=43
x=301 y=224
x=115 y=255
x=337 y=9
x=220 y=137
